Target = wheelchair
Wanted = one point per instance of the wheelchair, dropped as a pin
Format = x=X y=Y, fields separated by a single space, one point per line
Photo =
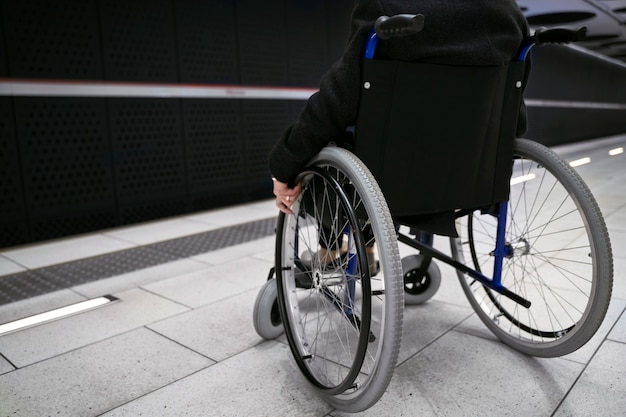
x=527 y=238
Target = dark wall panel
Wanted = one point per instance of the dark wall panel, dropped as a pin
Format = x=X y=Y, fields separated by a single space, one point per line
x=262 y=42
x=139 y=42
x=557 y=126
x=148 y=157
x=563 y=73
x=11 y=196
x=52 y=39
x=207 y=41
x=4 y=70
x=13 y=222
x=65 y=153
x=264 y=122
x=152 y=209
x=587 y=83
x=70 y=223
x=71 y=165
x=214 y=143
x=306 y=42
x=66 y=165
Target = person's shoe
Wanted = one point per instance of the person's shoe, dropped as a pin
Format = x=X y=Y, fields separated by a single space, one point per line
x=325 y=257
x=328 y=257
x=373 y=264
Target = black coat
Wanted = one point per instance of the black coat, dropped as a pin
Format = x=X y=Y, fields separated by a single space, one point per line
x=461 y=32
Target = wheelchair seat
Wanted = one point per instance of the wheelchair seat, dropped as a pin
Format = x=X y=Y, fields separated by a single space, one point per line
x=438 y=138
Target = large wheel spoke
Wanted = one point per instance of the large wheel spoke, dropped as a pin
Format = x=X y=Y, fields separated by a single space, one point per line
x=339 y=317
x=559 y=258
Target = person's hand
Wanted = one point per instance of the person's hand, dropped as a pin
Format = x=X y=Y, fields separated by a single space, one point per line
x=285 y=196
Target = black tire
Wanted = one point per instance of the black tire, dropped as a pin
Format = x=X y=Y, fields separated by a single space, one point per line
x=343 y=328
x=266 y=314
x=561 y=258
x=419 y=288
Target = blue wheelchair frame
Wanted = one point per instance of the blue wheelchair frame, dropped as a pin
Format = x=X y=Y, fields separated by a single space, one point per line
x=423 y=242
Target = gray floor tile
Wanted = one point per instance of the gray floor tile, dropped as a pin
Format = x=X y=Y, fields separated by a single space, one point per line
x=65 y=250
x=425 y=323
x=262 y=381
x=136 y=308
x=618 y=240
x=450 y=290
x=475 y=326
x=97 y=378
x=229 y=216
x=618 y=236
x=600 y=390
x=40 y=304
x=462 y=375
x=202 y=243
x=229 y=254
x=584 y=354
x=5 y=366
x=159 y=231
x=619 y=277
x=609 y=200
x=218 y=331
x=8 y=266
x=616 y=218
x=618 y=333
x=209 y=285
x=140 y=278
x=266 y=255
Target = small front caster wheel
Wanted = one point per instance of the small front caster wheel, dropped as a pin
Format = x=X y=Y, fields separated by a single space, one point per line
x=266 y=317
x=419 y=288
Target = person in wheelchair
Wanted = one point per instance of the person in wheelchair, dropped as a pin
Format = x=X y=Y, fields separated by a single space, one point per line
x=456 y=32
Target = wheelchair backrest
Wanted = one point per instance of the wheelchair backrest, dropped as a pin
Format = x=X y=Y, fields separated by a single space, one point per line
x=438 y=137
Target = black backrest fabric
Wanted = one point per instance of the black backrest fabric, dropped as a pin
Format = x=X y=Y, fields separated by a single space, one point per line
x=437 y=137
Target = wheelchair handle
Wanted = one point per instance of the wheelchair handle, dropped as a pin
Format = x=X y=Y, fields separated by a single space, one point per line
x=398 y=25
x=559 y=35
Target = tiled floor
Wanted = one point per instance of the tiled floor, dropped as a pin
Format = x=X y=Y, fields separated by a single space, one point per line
x=180 y=340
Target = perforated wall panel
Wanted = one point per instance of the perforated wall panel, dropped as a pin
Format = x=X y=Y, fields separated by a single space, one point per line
x=264 y=122
x=207 y=42
x=65 y=155
x=13 y=220
x=214 y=141
x=11 y=197
x=70 y=165
x=52 y=39
x=307 y=41
x=66 y=168
x=4 y=70
x=262 y=42
x=71 y=223
x=138 y=40
x=148 y=156
x=153 y=209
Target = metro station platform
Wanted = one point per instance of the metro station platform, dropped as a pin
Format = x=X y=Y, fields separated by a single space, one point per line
x=175 y=335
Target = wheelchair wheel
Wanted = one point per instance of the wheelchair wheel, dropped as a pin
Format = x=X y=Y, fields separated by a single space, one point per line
x=419 y=287
x=344 y=322
x=266 y=315
x=560 y=258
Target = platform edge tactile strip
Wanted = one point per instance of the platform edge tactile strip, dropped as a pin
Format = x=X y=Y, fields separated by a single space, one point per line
x=27 y=284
